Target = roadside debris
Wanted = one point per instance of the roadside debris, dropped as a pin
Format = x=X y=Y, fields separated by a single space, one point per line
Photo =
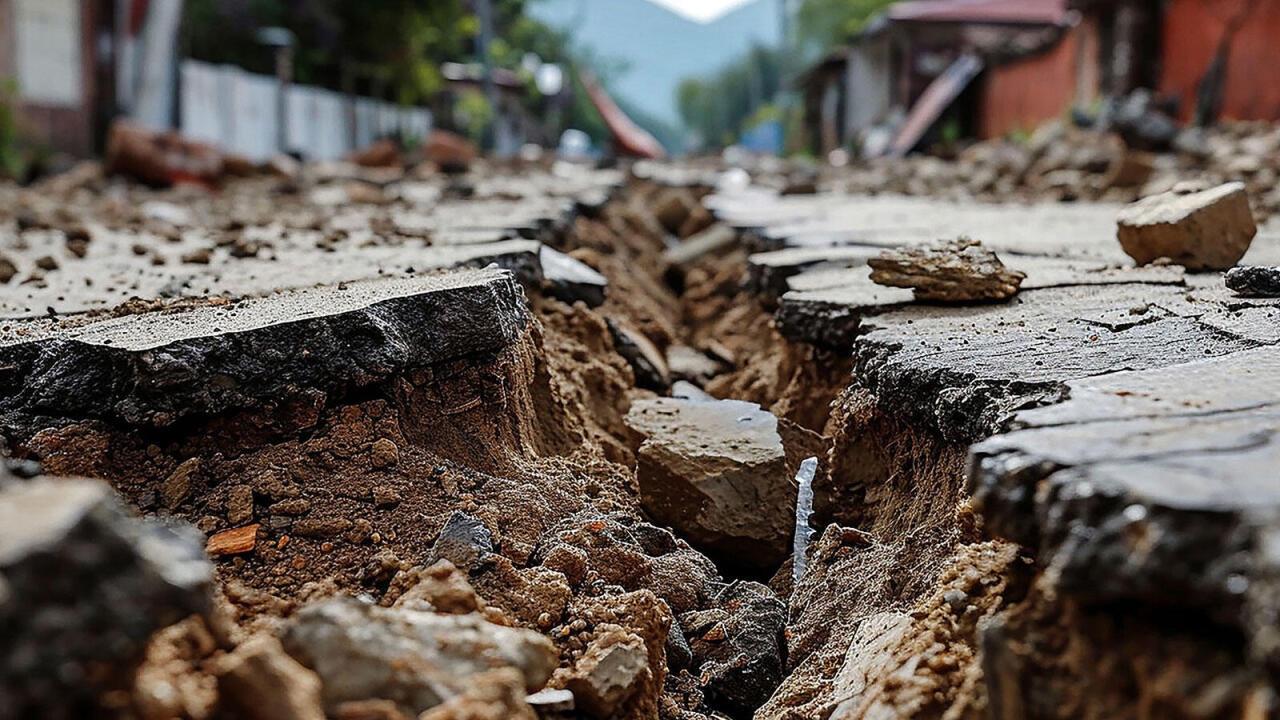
x=1254 y=281
x=161 y=159
x=1207 y=230
x=950 y=271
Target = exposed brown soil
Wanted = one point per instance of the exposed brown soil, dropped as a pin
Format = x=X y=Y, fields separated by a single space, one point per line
x=909 y=608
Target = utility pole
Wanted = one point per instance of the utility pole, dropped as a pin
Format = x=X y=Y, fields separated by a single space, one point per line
x=484 y=9
x=281 y=41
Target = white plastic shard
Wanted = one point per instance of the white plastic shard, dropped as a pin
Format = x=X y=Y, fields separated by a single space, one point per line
x=804 y=509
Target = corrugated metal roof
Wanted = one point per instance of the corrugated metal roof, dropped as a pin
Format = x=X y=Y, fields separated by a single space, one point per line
x=1028 y=12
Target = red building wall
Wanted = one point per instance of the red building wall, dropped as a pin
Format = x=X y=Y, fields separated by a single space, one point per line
x=1192 y=30
x=1025 y=94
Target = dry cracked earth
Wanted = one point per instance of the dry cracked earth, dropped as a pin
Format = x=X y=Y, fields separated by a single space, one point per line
x=537 y=442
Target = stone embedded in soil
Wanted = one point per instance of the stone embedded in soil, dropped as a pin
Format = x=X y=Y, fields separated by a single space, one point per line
x=710 y=241
x=464 y=541
x=156 y=368
x=717 y=473
x=569 y=279
x=619 y=549
x=83 y=585
x=952 y=271
x=608 y=673
x=646 y=361
x=417 y=659
x=1206 y=230
x=1254 y=281
x=739 y=647
x=262 y=682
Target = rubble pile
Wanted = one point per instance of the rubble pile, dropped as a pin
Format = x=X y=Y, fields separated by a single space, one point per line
x=444 y=440
x=1064 y=163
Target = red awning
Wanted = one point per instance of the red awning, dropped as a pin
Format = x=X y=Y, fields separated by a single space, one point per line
x=1022 y=12
x=630 y=139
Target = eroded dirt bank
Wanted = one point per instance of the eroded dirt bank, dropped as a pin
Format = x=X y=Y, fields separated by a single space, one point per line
x=564 y=486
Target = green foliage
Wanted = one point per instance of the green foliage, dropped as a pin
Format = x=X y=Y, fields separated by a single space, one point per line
x=398 y=44
x=12 y=162
x=394 y=48
x=719 y=108
x=475 y=114
x=822 y=25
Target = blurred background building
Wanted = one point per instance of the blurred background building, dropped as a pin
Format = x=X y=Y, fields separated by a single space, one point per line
x=323 y=78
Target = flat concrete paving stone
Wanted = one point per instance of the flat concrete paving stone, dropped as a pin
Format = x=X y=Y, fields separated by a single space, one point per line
x=111 y=273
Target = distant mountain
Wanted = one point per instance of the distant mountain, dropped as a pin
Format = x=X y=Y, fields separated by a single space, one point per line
x=660 y=47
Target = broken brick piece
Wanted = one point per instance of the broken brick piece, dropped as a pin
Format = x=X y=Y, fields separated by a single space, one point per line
x=233 y=542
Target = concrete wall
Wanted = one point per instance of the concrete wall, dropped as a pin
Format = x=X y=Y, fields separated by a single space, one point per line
x=237 y=111
x=870 y=91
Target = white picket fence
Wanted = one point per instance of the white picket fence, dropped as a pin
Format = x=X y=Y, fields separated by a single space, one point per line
x=236 y=110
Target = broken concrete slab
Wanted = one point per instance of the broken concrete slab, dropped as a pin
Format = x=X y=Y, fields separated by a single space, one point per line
x=714 y=239
x=691 y=365
x=826 y=306
x=417 y=659
x=1080 y=231
x=83 y=585
x=952 y=271
x=830 y=316
x=769 y=271
x=716 y=471
x=155 y=368
x=963 y=371
x=646 y=361
x=1151 y=486
x=1207 y=230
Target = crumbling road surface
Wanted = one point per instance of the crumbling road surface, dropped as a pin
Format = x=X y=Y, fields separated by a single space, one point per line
x=389 y=444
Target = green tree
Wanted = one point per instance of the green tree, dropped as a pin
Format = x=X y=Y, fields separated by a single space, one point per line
x=822 y=25
x=719 y=108
x=394 y=48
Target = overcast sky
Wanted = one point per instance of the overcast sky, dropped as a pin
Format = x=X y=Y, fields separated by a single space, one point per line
x=701 y=10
